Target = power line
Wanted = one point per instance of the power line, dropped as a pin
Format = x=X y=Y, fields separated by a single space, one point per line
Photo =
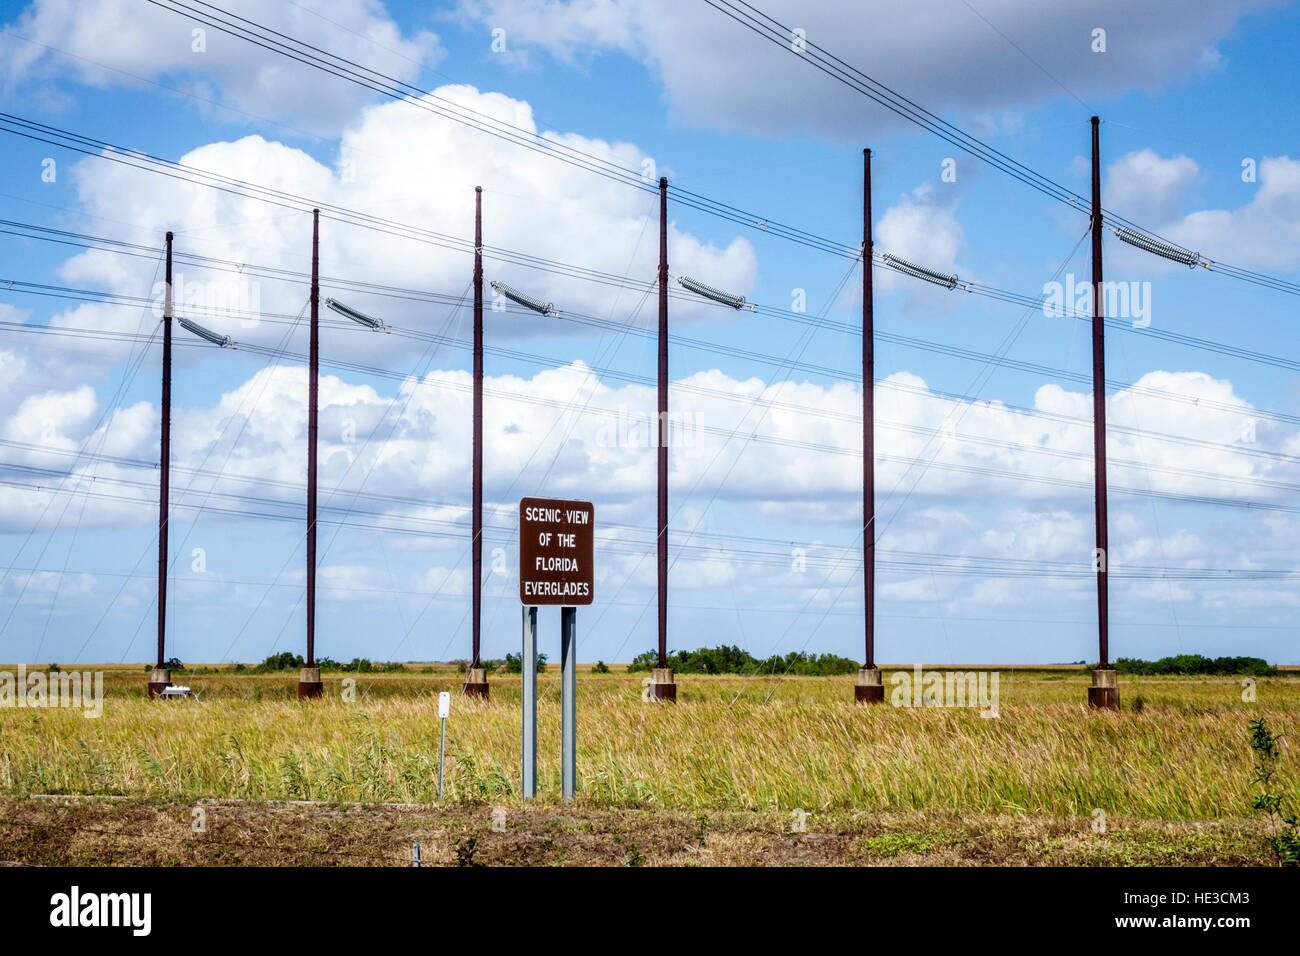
x=275 y=273
x=982 y=377
x=530 y=139
x=223 y=11
x=911 y=342
x=899 y=560
x=134 y=362
x=774 y=31
x=343 y=68
x=834 y=449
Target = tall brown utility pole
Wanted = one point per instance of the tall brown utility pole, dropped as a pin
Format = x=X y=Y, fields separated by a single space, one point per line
x=1104 y=691
x=662 y=678
x=161 y=676
x=476 y=678
x=869 y=689
x=309 y=683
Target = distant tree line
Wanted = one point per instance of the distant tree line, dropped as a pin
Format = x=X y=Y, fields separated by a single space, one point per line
x=725 y=659
x=514 y=664
x=288 y=660
x=1197 y=664
x=730 y=659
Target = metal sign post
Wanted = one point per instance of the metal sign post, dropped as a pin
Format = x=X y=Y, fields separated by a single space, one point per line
x=568 y=701
x=557 y=544
x=528 y=662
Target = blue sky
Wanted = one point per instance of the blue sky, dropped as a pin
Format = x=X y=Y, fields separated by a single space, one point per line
x=765 y=533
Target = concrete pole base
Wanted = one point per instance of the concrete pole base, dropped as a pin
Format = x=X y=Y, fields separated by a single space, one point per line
x=309 y=684
x=160 y=678
x=1104 y=692
x=869 y=688
x=662 y=686
x=476 y=684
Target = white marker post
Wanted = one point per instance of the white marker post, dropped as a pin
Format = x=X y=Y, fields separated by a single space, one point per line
x=444 y=711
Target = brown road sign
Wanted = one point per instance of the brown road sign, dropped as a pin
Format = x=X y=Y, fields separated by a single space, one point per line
x=557 y=547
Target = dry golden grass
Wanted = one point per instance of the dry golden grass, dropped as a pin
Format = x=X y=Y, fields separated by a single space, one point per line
x=1182 y=757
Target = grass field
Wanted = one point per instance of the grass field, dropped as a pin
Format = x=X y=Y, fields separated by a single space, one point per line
x=1171 y=771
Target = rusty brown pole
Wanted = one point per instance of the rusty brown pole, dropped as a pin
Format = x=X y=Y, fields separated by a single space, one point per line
x=161 y=677
x=1104 y=691
x=476 y=677
x=869 y=688
x=662 y=679
x=309 y=683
